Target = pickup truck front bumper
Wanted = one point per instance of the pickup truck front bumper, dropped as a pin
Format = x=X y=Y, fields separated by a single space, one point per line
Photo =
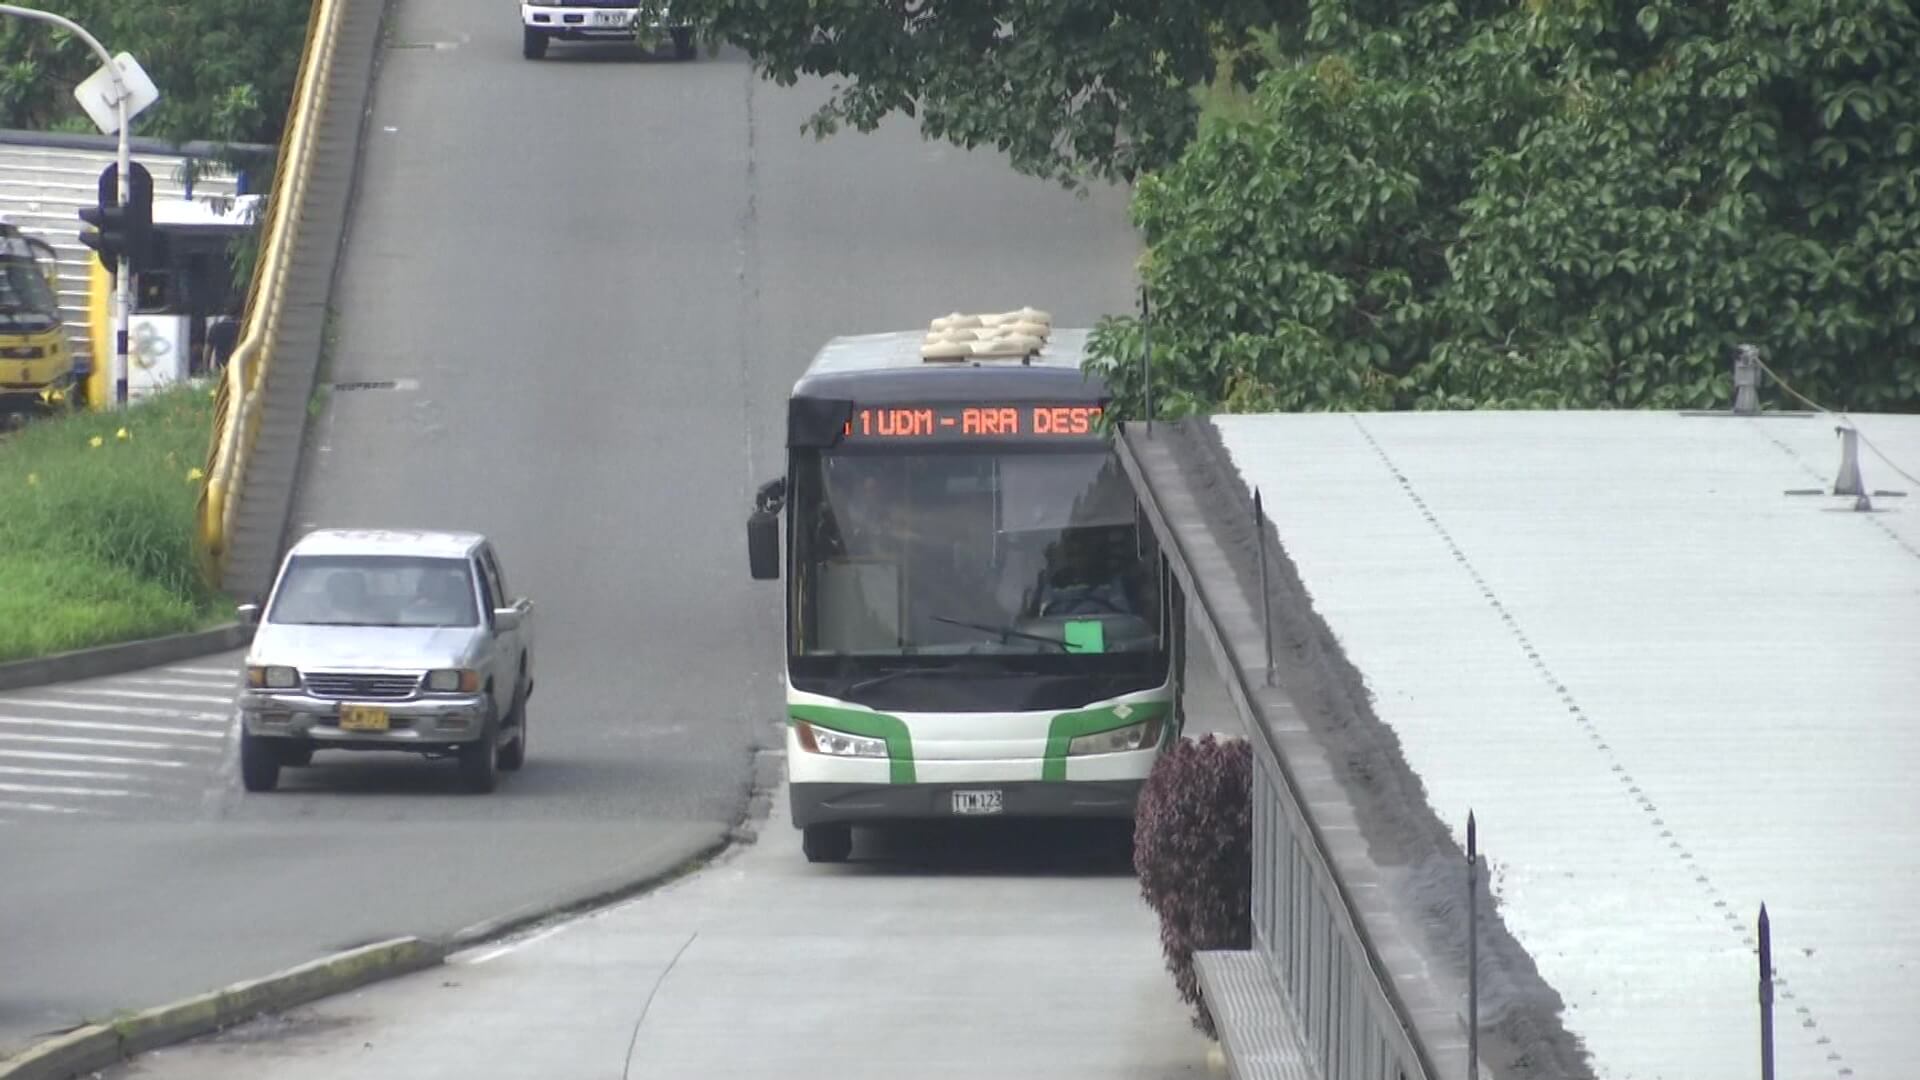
x=587 y=23
x=420 y=723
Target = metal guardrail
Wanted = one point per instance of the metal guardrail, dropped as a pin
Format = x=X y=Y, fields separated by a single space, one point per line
x=236 y=422
x=1307 y=927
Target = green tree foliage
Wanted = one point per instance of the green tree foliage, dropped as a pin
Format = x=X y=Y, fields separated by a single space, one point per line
x=225 y=68
x=1068 y=89
x=1561 y=203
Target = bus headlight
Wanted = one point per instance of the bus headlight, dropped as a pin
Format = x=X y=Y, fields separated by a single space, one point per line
x=819 y=740
x=1116 y=741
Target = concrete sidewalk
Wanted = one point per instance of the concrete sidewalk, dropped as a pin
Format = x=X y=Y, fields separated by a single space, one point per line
x=1015 y=952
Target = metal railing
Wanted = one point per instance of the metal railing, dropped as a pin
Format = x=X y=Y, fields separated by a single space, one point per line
x=236 y=423
x=1306 y=925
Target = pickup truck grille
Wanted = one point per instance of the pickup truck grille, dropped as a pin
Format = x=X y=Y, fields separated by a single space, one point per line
x=369 y=687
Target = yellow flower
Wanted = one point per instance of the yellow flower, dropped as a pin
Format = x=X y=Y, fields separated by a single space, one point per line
x=194 y=474
x=33 y=479
x=123 y=435
x=95 y=441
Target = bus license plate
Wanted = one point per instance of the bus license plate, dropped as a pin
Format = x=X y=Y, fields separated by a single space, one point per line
x=976 y=802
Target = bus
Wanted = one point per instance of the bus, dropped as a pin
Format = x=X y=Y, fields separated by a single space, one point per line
x=36 y=367
x=979 y=623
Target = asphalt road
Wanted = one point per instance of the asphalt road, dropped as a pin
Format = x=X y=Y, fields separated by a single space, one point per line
x=1002 y=950
x=590 y=282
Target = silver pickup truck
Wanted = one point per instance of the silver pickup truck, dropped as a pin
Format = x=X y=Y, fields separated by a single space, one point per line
x=374 y=640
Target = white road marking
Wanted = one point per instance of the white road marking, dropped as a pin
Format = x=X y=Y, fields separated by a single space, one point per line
x=229 y=673
x=496 y=953
x=66 y=774
x=43 y=808
x=141 y=695
x=127 y=744
x=189 y=684
x=102 y=725
x=94 y=759
x=51 y=789
x=118 y=710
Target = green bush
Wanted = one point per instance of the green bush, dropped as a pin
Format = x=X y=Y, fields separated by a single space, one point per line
x=97 y=527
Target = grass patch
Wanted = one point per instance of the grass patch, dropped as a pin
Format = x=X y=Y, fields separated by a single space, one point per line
x=97 y=527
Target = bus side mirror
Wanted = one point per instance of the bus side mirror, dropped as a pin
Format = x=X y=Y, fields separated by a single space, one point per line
x=763 y=545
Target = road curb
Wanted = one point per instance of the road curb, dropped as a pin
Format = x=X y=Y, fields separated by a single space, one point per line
x=101 y=1046
x=124 y=657
x=608 y=891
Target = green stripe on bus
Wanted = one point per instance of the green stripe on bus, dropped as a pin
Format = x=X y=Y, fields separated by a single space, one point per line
x=872 y=725
x=1069 y=726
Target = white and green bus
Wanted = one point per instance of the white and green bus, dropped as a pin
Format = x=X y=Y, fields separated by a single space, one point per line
x=978 y=620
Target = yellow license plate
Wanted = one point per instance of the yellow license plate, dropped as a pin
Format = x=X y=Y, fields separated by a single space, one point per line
x=362 y=718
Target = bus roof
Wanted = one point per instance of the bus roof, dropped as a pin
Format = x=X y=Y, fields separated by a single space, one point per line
x=889 y=367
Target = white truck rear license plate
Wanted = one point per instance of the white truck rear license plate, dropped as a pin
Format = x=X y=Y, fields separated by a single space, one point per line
x=976 y=802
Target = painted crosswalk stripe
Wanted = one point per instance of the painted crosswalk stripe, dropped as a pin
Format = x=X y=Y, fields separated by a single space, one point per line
x=43 y=808
x=142 y=695
x=125 y=744
x=118 y=710
x=69 y=774
x=90 y=759
x=59 y=789
x=103 y=725
x=185 y=684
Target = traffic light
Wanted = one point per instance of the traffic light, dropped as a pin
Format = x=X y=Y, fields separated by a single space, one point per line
x=120 y=230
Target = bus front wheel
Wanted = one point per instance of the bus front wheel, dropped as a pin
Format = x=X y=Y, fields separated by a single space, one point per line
x=827 y=843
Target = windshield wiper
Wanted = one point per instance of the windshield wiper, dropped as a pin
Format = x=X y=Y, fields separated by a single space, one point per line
x=876 y=680
x=1004 y=632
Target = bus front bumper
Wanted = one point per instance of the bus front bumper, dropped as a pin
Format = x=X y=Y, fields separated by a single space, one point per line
x=824 y=804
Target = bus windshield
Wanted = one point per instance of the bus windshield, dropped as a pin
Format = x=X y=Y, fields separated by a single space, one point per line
x=968 y=553
x=26 y=302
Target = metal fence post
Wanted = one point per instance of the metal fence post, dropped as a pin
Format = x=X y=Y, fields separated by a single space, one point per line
x=1766 y=996
x=1848 y=481
x=1746 y=380
x=1146 y=357
x=1473 y=949
x=1266 y=598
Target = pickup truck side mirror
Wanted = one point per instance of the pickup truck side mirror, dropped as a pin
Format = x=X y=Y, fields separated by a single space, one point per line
x=763 y=545
x=507 y=619
x=249 y=614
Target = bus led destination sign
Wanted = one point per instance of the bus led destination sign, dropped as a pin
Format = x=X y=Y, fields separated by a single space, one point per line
x=958 y=423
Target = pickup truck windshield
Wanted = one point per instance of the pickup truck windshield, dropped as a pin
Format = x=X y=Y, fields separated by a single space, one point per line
x=379 y=590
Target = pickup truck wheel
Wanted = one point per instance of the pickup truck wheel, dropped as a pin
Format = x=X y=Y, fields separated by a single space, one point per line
x=259 y=763
x=683 y=43
x=480 y=759
x=827 y=843
x=514 y=754
x=533 y=43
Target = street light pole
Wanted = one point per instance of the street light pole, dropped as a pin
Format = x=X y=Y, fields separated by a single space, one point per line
x=122 y=288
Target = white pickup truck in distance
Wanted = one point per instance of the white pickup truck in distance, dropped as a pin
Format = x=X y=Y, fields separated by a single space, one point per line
x=601 y=20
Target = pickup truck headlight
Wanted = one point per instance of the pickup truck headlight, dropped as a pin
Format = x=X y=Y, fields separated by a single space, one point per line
x=1117 y=741
x=819 y=740
x=272 y=678
x=453 y=681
